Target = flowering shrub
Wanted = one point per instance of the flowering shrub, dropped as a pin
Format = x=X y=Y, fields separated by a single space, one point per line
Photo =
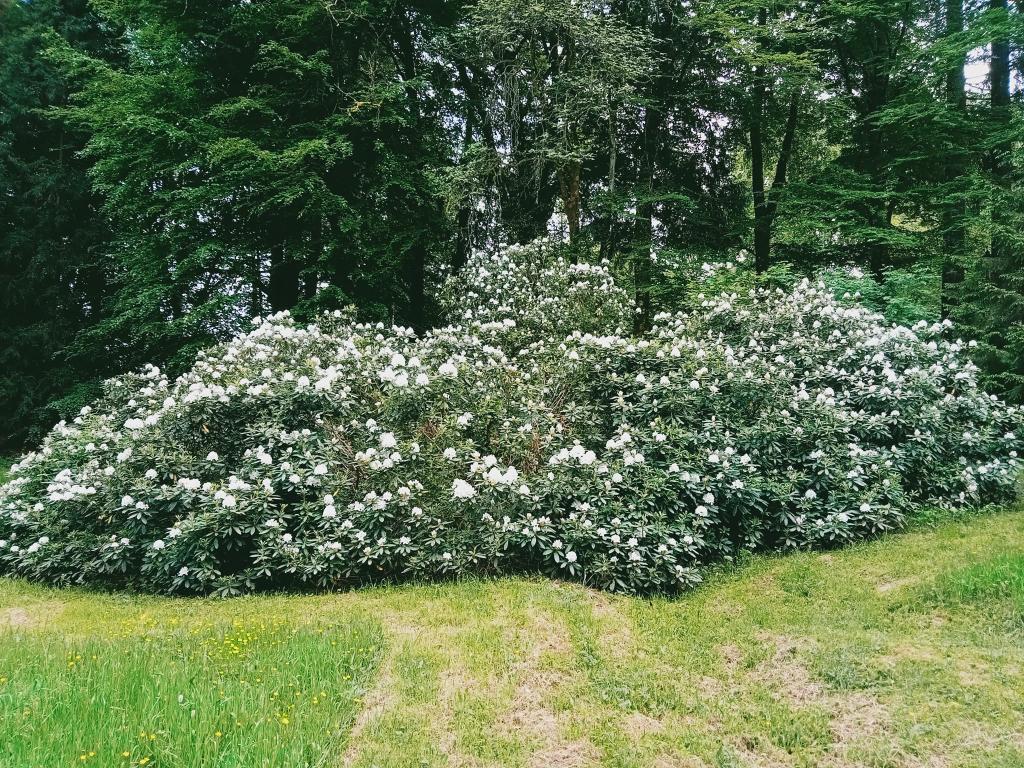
x=533 y=436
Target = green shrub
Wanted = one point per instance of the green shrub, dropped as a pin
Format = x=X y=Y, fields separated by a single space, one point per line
x=534 y=436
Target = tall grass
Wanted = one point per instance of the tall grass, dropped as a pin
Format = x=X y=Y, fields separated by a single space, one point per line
x=252 y=693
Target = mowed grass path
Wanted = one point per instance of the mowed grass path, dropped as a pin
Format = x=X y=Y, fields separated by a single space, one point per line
x=904 y=652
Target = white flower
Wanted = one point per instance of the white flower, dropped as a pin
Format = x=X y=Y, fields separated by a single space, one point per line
x=447 y=369
x=570 y=556
x=387 y=440
x=212 y=456
x=320 y=470
x=159 y=544
x=463 y=490
x=228 y=500
x=451 y=454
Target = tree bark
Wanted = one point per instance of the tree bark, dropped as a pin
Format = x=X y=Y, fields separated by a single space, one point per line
x=643 y=227
x=283 y=288
x=999 y=77
x=762 y=225
x=954 y=213
x=766 y=202
x=415 y=274
x=607 y=239
x=569 y=187
x=463 y=239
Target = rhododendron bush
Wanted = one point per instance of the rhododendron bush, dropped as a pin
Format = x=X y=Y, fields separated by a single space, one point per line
x=532 y=434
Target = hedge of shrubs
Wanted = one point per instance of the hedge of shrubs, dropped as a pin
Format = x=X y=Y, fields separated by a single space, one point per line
x=531 y=435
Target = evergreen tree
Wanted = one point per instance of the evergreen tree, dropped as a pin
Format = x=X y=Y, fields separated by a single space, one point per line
x=53 y=240
x=260 y=157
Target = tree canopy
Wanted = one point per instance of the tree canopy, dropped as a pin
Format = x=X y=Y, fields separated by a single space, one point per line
x=170 y=169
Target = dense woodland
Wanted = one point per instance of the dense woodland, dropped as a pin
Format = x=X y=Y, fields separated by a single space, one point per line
x=169 y=169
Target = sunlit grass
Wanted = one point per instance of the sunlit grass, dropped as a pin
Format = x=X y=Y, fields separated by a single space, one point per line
x=182 y=692
x=901 y=653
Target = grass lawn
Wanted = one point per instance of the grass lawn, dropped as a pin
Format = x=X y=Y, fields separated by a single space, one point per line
x=907 y=651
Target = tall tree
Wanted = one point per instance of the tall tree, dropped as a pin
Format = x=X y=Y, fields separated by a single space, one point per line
x=53 y=238
x=261 y=156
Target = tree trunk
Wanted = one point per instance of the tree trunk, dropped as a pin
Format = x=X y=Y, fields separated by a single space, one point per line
x=607 y=239
x=283 y=289
x=999 y=76
x=463 y=239
x=762 y=225
x=643 y=227
x=954 y=213
x=414 y=272
x=569 y=187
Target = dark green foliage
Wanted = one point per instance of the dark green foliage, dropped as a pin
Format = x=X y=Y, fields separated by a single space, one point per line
x=169 y=168
x=53 y=242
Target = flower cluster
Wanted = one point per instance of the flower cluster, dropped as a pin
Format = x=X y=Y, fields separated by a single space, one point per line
x=530 y=435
